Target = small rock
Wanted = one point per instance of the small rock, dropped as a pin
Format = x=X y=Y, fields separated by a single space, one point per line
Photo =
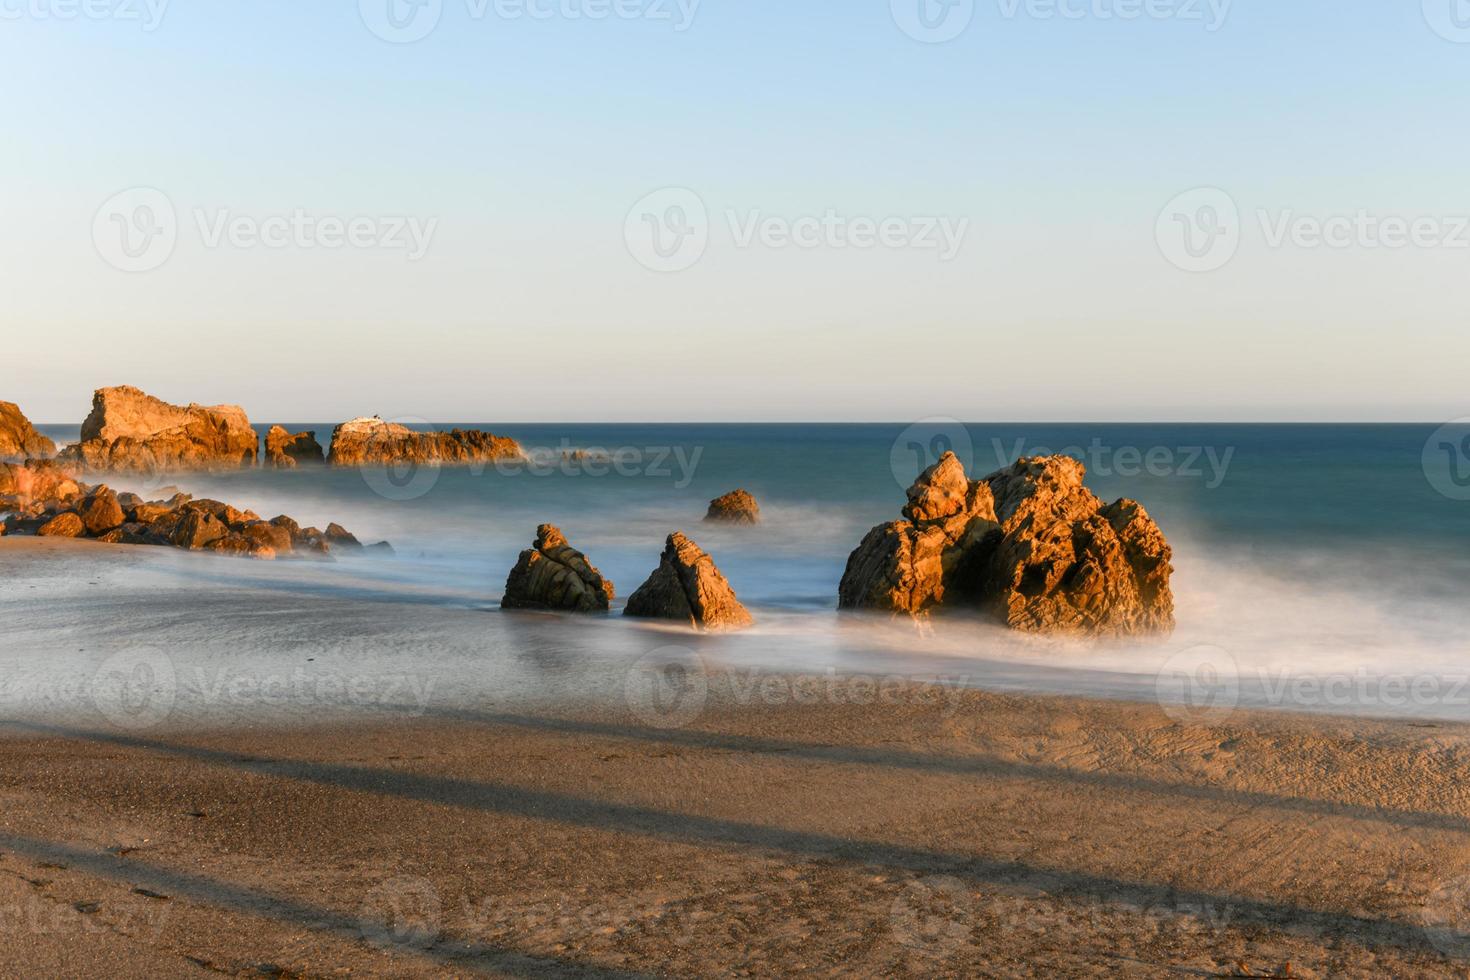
x=737 y=507
x=101 y=512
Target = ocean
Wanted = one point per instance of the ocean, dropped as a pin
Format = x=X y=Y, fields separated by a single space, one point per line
x=1320 y=567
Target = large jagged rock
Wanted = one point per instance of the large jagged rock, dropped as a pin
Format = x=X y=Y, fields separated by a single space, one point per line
x=688 y=588
x=554 y=575
x=374 y=441
x=284 y=450
x=736 y=507
x=131 y=431
x=1029 y=545
x=18 y=438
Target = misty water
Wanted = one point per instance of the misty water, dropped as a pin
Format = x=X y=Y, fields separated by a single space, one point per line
x=1317 y=568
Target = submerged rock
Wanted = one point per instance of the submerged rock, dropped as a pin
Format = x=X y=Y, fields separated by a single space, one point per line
x=285 y=450
x=369 y=441
x=736 y=507
x=18 y=438
x=687 y=587
x=553 y=575
x=1029 y=545
x=131 y=431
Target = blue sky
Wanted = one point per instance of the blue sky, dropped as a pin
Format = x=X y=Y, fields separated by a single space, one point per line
x=527 y=143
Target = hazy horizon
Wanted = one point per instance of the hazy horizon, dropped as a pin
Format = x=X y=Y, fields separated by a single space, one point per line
x=711 y=212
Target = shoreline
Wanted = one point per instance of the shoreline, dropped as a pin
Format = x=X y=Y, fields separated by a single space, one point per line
x=379 y=621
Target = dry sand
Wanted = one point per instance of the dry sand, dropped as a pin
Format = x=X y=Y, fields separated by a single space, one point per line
x=932 y=833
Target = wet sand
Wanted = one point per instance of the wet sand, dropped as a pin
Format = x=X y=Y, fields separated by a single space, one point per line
x=906 y=831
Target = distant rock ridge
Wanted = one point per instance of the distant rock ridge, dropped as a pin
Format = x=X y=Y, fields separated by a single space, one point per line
x=18 y=438
x=368 y=441
x=688 y=588
x=129 y=430
x=1030 y=545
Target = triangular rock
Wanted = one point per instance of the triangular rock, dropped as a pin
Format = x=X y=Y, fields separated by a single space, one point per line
x=687 y=587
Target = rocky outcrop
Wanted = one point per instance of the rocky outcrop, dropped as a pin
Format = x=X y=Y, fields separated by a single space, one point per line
x=1029 y=545
x=44 y=498
x=373 y=441
x=285 y=450
x=18 y=438
x=688 y=588
x=736 y=507
x=133 y=432
x=553 y=575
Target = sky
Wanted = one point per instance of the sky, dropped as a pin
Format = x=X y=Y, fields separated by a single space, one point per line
x=764 y=210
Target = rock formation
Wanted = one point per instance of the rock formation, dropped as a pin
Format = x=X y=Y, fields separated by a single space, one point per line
x=1029 y=545
x=42 y=497
x=370 y=441
x=18 y=438
x=130 y=431
x=737 y=507
x=284 y=450
x=554 y=575
x=688 y=588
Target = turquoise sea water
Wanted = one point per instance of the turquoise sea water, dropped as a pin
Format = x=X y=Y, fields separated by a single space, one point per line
x=1301 y=550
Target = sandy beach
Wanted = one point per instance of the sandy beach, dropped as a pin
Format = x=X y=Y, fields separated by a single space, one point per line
x=877 y=826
